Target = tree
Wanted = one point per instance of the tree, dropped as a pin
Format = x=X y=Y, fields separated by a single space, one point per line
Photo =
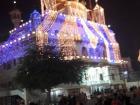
x=3 y=37
x=44 y=70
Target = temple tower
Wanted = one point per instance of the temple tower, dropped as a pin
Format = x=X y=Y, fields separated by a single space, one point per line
x=99 y=15
x=47 y=5
x=89 y=4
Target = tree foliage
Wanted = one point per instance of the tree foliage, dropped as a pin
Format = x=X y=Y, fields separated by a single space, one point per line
x=44 y=70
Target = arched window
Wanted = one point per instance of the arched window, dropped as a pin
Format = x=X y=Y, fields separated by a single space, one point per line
x=101 y=49
x=101 y=77
x=84 y=51
x=91 y=51
x=104 y=51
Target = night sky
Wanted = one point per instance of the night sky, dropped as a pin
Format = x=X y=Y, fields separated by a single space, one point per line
x=122 y=15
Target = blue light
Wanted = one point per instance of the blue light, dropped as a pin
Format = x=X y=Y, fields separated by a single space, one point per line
x=19 y=39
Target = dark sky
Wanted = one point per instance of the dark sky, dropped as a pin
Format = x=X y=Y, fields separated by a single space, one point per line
x=122 y=15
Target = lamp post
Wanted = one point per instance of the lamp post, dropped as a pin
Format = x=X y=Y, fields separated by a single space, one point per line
x=124 y=76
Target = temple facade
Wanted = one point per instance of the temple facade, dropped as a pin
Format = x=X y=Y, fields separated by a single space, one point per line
x=77 y=31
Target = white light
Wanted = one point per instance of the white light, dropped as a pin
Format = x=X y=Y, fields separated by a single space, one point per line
x=19 y=39
x=42 y=15
x=33 y=32
x=39 y=32
x=108 y=26
x=110 y=43
x=96 y=1
x=15 y=41
x=23 y=37
x=10 y=42
x=29 y=21
x=87 y=57
x=125 y=72
x=3 y=46
x=22 y=20
x=78 y=56
x=91 y=57
x=23 y=24
x=52 y=34
x=83 y=56
x=14 y=2
x=28 y=34
x=46 y=12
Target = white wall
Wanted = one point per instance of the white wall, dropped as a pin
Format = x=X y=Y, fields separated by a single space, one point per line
x=130 y=84
x=93 y=76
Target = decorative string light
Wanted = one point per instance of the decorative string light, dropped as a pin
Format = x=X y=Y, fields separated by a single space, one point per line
x=68 y=32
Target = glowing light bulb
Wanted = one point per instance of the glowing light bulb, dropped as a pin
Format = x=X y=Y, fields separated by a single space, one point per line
x=96 y=1
x=22 y=21
x=14 y=2
x=109 y=26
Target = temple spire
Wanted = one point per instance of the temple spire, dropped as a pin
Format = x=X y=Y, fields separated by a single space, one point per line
x=47 y=5
x=99 y=16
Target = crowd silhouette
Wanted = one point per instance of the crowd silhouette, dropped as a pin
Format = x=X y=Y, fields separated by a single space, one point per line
x=112 y=97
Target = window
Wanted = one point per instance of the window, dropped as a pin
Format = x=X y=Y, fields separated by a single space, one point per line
x=4 y=66
x=8 y=65
x=14 y=62
x=113 y=77
x=91 y=51
x=20 y=60
x=84 y=51
x=101 y=77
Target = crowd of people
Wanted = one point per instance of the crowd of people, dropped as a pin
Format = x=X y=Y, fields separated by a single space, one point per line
x=112 y=97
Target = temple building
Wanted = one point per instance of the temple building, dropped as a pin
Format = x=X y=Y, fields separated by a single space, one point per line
x=78 y=31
